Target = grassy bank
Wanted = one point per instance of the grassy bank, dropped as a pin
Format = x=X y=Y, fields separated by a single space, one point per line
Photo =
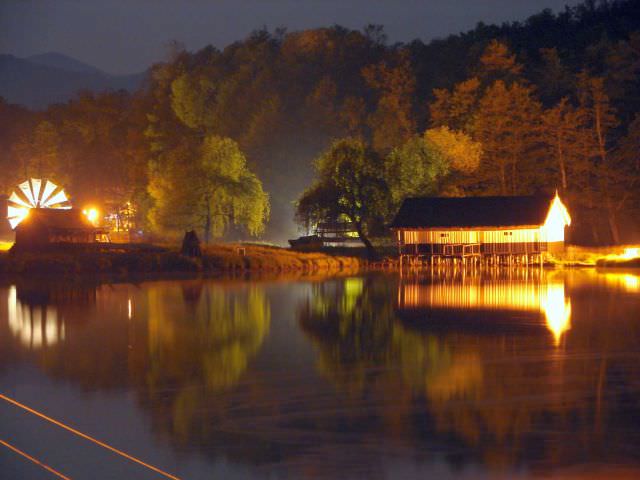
x=153 y=259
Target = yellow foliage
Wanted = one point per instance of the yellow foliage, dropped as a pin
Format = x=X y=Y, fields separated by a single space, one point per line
x=460 y=150
x=497 y=58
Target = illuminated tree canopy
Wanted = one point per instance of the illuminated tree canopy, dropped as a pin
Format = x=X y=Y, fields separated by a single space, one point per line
x=348 y=185
x=208 y=188
x=547 y=111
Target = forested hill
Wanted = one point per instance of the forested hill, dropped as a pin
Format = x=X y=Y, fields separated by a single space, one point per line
x=284 y=96
x=593 y=35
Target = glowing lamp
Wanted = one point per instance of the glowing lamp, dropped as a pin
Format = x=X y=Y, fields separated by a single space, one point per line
x=630 y=253
x=92 y=214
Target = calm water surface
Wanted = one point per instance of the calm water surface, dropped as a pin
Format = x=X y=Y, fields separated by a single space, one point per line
x=443 y=375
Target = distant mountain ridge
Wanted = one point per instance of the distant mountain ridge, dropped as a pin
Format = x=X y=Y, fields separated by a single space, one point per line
x=63 y=62
x=40 y=80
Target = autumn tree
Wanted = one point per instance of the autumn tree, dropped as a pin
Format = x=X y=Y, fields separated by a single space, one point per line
x=39 y=154
x=14 y=122
x=607 y=179
x=498 y=62
x=455 y=109
x=497 y=109
x=461 y=153
x=392 y=121
x=420 y=166
x=553 y=78
x=349 y=185
x=566 y=143
x=626 y=156
x=207 y=188
x=103 y=137
x=507 y=125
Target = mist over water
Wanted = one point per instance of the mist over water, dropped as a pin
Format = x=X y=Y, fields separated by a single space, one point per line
x=496 y=374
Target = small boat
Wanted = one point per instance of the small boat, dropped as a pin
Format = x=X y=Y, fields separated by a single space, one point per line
x=309 y=242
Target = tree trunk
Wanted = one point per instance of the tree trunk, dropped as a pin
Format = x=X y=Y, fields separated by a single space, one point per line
x=371 y=251
x=563 y=172
x=207 y=224
x=613 y=224
x=594 y=232
x=503 y=179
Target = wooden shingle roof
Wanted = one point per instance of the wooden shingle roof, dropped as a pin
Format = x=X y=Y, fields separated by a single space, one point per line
x=461 y=212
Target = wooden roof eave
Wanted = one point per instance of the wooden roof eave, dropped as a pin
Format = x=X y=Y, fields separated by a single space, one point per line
x=73 y=229
x=462 y=229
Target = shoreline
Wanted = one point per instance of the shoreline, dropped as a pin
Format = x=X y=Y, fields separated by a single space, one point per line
x=151 y=260
x=232 y=261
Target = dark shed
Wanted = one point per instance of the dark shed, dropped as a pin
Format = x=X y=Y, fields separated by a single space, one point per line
x=46 y=226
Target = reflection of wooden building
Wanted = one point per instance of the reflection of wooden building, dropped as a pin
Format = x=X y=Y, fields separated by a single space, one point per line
x=500 y=229
x=484 y=303
x=38 y=310
x=47 y=226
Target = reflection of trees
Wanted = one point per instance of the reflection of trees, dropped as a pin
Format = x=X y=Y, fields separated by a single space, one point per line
x=500 y=396
x=350 y=321
x=186 y=343
x=354 y=325
x=199 y=345
x=213 y=337
x=508 y=394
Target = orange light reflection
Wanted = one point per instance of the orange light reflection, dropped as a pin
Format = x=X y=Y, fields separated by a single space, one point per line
x=547 y=298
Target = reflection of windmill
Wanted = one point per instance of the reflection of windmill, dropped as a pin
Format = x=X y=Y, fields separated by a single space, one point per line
x=34 y=193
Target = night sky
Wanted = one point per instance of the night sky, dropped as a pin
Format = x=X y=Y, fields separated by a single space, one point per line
x=125 y=36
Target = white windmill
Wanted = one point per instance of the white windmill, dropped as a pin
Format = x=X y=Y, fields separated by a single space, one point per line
x=34 y=193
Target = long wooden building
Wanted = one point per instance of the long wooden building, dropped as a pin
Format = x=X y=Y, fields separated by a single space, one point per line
x=517 y=229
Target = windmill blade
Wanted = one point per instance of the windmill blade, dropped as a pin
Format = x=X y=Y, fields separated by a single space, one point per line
x=36 y=183
x=15 y=215
x=13 y=212
x=34 y=193
x=49 y=188
x=26 y=190
x=59 y=197
x=14 y=198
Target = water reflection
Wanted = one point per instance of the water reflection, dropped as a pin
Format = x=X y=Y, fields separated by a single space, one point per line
x=36 y=311
x=628 y=282
x=543 y=293
x=507 y=373
x=33 y=325
x=157 y=338
x=218 y=329
x=469 y=359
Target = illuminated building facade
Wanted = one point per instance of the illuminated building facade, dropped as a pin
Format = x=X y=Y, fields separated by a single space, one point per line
x=518 y=228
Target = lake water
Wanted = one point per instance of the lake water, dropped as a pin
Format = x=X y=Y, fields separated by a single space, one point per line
x=498 y=374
